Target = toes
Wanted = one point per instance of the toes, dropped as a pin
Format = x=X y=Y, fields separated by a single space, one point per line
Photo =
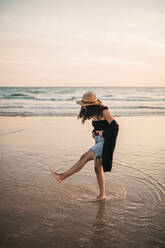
x=51 y=172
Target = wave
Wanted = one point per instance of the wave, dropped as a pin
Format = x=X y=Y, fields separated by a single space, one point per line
x=138 y=107
x=9 y=106
x=75 y=114
x=135 y=99
x=150 y=107
x=35 y=91
x=38 y=107
x=75 y=107
x=36 y=114
x=29 y=97
x=17 y=94
x=108 y=95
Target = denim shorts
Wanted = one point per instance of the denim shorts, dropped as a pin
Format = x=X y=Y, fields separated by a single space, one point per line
x=98 y=147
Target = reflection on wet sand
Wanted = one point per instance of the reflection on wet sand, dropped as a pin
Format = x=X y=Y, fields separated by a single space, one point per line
x=98 y=238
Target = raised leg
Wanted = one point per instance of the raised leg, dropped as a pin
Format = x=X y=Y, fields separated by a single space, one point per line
x=100 y=178
x=89 y=155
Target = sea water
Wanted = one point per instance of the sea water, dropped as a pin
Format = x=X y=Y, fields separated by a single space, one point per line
x=60 y=101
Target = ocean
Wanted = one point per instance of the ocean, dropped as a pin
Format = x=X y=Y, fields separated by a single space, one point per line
x=60 y=101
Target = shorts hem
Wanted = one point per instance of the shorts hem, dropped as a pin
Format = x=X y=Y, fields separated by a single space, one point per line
x=95 y=155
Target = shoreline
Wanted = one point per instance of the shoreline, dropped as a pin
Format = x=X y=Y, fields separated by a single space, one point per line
x=74 y=115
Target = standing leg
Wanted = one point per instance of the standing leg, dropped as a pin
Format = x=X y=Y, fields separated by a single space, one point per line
x=100 y=178
x=89 y=155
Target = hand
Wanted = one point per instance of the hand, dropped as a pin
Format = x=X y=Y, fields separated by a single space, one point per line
x=100 y=133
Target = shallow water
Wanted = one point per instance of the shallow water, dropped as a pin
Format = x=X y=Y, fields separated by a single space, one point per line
x=37 y=211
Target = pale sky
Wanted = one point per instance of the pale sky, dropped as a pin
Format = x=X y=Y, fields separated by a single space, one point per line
x=82 y=43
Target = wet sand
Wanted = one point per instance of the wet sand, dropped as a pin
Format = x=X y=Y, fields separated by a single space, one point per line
x=37 y=211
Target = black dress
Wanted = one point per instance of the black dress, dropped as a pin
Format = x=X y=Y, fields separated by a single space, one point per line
x=110 y=132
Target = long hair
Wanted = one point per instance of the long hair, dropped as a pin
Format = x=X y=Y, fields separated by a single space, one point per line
x=90 y=111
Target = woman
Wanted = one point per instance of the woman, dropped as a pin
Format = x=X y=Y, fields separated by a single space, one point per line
x=105 y=134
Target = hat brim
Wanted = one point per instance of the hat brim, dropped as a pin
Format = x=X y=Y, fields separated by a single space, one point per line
x=79 y=102
x=87 y=104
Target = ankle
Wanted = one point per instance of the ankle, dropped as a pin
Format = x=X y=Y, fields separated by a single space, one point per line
x=102 y=194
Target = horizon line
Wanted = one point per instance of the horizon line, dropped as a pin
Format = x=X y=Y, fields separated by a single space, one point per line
x=73 y=86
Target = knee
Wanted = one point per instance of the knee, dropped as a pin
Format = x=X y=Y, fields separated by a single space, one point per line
x=96 y=167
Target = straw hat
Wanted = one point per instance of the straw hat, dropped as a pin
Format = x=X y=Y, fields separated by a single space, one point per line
x=89 y=98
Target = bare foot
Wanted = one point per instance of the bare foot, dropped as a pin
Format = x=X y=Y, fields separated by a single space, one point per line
x=56 y=175
x=100 y=197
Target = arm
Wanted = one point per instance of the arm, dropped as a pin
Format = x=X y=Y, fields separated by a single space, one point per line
x=107 y=115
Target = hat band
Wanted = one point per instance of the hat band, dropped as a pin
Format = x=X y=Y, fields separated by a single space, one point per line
x=89 y=102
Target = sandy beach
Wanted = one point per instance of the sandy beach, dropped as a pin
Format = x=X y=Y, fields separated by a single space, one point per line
x=37 y=211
